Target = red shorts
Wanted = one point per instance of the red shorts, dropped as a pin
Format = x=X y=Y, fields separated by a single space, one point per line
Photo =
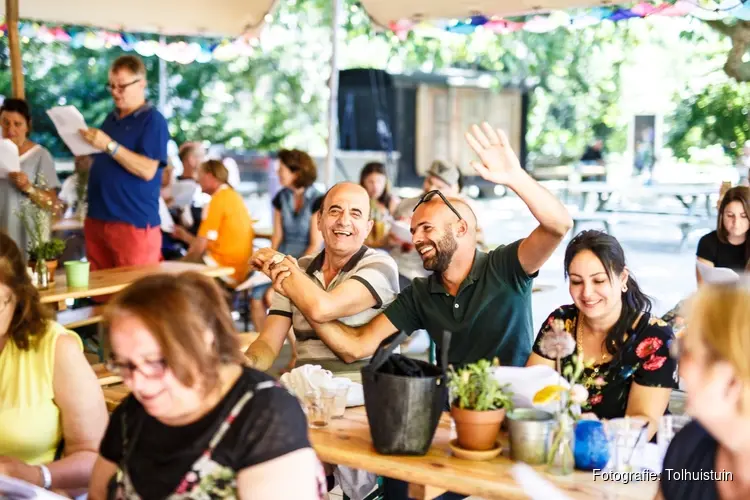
x=118 y=244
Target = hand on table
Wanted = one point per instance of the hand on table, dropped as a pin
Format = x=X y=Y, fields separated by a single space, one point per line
x=20 y=180
x=95 y=138
x=498 y=161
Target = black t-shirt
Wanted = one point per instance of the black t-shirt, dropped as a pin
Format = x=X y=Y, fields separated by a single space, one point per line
x=693 y=450
x=644 y=359
x=270 y=425
x=722 y=254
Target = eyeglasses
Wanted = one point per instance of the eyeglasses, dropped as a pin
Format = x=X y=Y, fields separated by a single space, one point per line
x=112 y=87
x=5 y=303
x=151 y=369
x=430 y=194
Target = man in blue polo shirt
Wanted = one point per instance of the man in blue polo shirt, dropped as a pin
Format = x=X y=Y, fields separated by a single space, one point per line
x=123 y=224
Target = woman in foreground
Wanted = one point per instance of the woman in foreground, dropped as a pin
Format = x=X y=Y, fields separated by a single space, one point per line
x=198 y=424
x=714 y=358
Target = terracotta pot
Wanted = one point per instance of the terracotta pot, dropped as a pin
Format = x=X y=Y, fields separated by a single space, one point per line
x=51 y=268
x=477 y=430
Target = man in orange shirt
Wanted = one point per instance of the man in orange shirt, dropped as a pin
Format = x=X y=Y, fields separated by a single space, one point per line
x=225 y=236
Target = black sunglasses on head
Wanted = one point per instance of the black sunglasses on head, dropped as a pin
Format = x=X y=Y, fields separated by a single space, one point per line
x=431 y=194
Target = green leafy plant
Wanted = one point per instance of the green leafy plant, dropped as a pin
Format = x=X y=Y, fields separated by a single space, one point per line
x=474 y=387
x=48 y=250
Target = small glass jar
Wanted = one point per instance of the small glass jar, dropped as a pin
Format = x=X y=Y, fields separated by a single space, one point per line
x=560 y=459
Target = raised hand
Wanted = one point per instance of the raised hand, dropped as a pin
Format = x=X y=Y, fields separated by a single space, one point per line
x=498 y=161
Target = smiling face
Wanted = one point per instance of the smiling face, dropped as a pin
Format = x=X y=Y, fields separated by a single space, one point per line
x=432 y=227
x=14 y=127
x=153 y=384
x=595 y=295
x=735 y=220
x=344 y=220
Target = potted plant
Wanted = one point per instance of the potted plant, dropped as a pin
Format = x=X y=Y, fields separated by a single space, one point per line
x=49 y=251
x=41 y=246
x=478 y=404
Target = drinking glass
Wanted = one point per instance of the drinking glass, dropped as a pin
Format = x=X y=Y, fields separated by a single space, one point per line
x=669 y=425
x=627 y=438
x=319 y=406
x=340 y=393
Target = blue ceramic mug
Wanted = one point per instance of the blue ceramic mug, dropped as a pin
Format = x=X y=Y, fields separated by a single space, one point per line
x=591 y=449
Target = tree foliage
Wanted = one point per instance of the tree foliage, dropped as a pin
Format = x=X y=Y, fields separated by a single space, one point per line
x=716 y=115
x=278 y=94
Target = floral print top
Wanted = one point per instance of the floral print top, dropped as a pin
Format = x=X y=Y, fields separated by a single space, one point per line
x=643 y=359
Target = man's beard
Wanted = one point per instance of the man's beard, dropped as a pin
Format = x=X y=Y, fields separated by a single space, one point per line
x=444 y=250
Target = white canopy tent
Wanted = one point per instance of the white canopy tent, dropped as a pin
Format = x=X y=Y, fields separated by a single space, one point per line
x=384 y=12
x=240 y=17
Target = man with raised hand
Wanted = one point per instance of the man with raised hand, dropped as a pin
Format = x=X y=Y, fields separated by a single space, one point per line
x=484 y=299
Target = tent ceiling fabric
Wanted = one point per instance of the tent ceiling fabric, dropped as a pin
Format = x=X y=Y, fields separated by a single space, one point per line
x=169 y=17
x=384 y=12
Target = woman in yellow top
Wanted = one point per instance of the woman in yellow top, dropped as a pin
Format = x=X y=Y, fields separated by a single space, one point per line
x=50 y=399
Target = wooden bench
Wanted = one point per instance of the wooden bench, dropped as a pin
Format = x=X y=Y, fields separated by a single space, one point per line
x=685 y=222
x=76 y=318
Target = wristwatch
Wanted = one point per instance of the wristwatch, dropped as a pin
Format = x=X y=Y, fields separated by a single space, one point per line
x=112 y=147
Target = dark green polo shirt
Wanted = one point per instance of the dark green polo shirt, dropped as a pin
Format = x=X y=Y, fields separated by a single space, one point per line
x=490 y=316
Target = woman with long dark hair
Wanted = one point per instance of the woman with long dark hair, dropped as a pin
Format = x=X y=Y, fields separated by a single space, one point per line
x=729 y=245
x=625 y=350
x=374 y=179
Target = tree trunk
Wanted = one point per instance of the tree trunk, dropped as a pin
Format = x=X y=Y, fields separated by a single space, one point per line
x=740 y=35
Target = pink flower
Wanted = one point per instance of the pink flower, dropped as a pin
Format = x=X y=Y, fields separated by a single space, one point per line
x=596 y=399
x=556 y=341
x=648 y=346
x=654 y=363
x=599 y=381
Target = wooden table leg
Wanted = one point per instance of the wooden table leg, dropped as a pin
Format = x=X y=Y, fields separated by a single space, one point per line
x=424 y=492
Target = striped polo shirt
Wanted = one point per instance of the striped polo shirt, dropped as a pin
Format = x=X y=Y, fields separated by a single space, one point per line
x=375 y=269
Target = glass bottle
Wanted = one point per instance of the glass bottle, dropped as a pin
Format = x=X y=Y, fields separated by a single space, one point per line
x=42 y=274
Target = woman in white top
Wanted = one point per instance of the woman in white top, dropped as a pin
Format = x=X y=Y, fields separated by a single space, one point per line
x=37 y=179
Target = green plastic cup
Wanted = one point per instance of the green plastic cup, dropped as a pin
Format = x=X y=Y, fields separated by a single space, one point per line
x=77 y=273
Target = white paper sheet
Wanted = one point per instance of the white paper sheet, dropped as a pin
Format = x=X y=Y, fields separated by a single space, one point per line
x=534 y=484
x=16 y=489
x=525 y=382
x=717 y=274
x=68 y=122
x=9 y=160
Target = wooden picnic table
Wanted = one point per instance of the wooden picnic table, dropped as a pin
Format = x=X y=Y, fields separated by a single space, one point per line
x=687 y=194
x=109 y=281
x=347 y=442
